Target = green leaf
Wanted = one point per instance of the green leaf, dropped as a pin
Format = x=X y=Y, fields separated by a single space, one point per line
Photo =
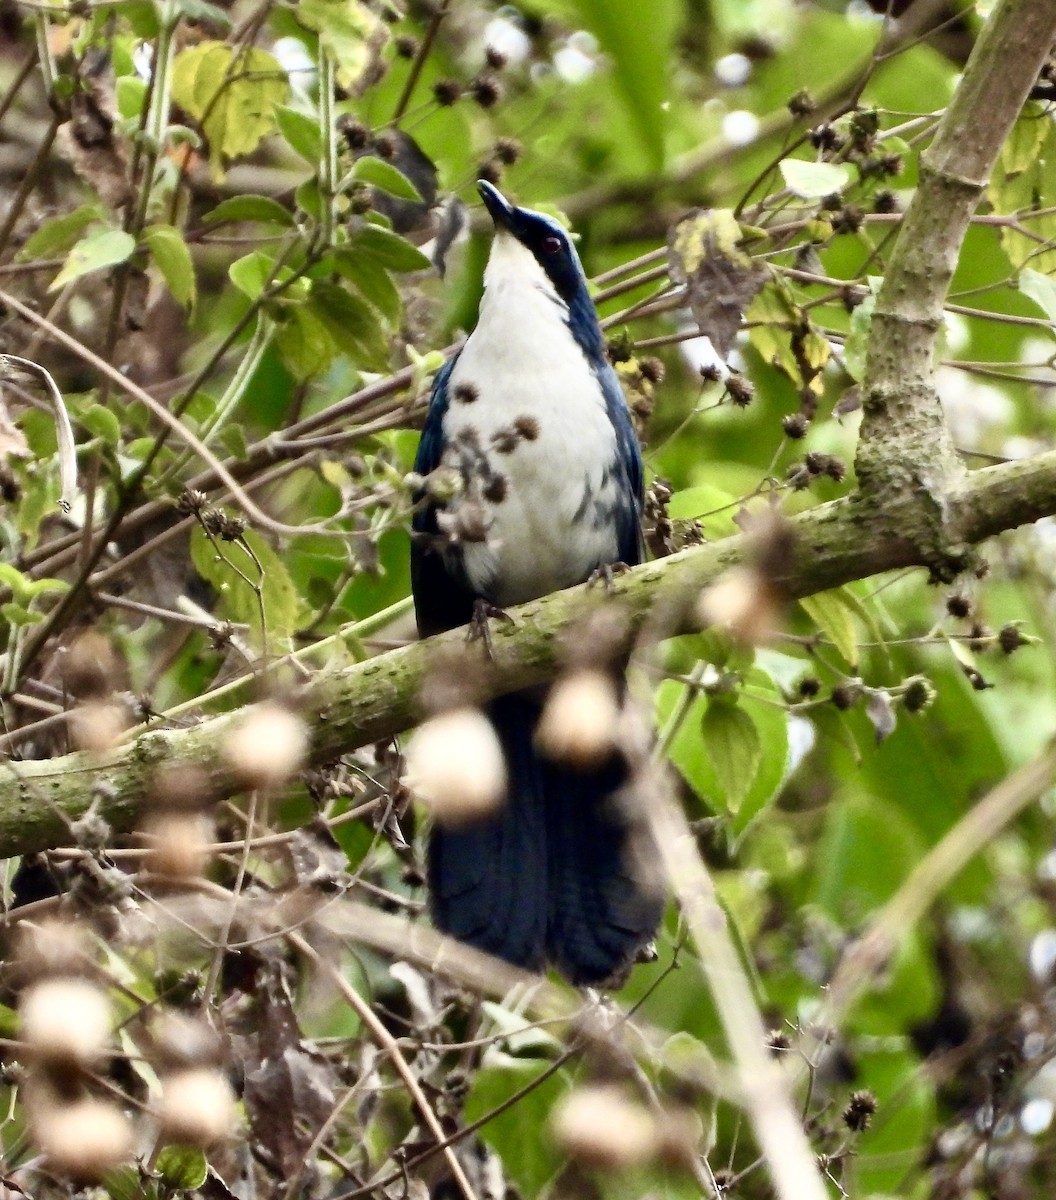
x=300 y=131
x=1024 y=143
x=641 y=45
x=11 y=577
x=237 y=600
x=100 y=422
x=391 y=251
x=56 y=236
x=182 y=1168
x=832 y=616
x=381 y=174
x=530 y=1161
x=173 y=259
x=305 y=344
x=857 y=343
x=732 y=744
x=252 y=273
x=204 y=13
x=347 y=30
x=353 y=324
x=94 y=252
x=812 y=180
x=18 y=615
x=1041 y=289
x=372 y=281
x=130 y=92
x=232 y=92
x=784 y=336
x=250 y=208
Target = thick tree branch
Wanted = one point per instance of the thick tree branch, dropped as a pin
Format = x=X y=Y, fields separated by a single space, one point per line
x=904 y=446
x=365 y=702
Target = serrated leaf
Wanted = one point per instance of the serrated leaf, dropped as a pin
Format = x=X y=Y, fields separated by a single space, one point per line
x=300 y=132
x=731 y=742
x=391 y=251
x=250 y=208
x=173 y=259
x=59 y=234
x=100 y=422
x=236 y=599
x=381 y=174
x=95 y=252
x=1041 y=289
x=813 y=180
x=831 y=615
x=232 y=92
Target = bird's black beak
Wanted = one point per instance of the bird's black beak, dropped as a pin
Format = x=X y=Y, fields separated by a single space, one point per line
x=502 y=211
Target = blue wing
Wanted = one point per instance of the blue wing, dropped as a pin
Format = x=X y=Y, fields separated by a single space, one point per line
x=629 y=515
x=441 y=601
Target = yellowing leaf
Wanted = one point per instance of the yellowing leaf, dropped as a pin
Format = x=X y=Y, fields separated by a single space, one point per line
x=232 y=92
x=783 y=334
x=832 y=616
x=94 y=252
x=348 y=30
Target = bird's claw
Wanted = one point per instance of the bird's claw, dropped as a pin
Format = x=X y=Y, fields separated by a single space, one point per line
x=480 y=623
x=605 y=573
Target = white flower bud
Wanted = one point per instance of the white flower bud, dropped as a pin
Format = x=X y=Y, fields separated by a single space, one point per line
x=196 y=1107
x=83 y=1139
x=266 y=746
x=602 y=1127
x=65 y=1021
x=455 y=766
x=580 y=722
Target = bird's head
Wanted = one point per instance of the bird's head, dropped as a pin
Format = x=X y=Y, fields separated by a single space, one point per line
x=527 y=243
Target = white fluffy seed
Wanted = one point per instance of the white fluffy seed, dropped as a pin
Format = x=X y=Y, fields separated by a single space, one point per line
x=266 y=746
x=97 y=725
x=580 y=721
x=179 y=844
x=602 y=1127
x=455 y=766
x=65 y=1021
x=83 y=1139
x=744 y=602
x=196 y=1107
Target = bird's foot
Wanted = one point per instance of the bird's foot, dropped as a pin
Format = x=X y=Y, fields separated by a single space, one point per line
x=606 y=573
x=480 y=623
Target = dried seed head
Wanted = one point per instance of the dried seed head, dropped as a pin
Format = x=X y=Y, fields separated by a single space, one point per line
x=740 y=390
x=1010 y=638
x=859 y=1110
x=918 y=695
x=795 y=425
x=179 y=844
x=65 y=1022
x=97 y=725
x=580 y=723
x=455 y=766
x=447 y=92
x=507 y=150
x=405 y=45
x=266 y=746
x=84 y=1139
x=181 y=785
x=486 y=90
x=602 y=1127
x=196 y=1107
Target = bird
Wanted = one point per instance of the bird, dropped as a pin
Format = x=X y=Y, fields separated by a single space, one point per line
x=531 y=416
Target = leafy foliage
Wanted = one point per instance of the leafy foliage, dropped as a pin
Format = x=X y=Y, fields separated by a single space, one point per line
x=246 y=215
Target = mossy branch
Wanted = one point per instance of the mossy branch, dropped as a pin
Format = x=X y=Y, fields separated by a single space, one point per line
x=368 y=701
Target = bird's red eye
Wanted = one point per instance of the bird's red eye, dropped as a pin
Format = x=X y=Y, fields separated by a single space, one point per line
x=551 y=245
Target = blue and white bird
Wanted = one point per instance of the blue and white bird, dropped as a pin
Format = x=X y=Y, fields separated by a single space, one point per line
x=532 y=417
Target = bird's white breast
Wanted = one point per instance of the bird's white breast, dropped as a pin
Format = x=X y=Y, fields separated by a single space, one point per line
x=523 y=392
